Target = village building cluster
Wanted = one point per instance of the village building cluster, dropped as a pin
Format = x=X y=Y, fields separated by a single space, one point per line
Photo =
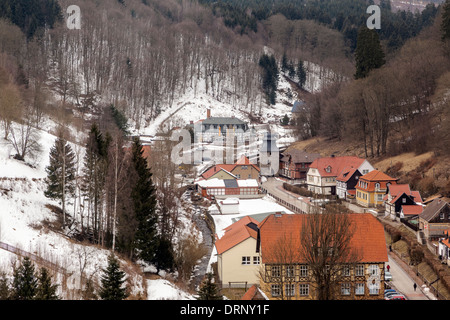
x=248 y=250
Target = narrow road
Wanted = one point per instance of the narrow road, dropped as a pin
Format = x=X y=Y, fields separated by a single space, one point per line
x=403 y=283
x=275 y=187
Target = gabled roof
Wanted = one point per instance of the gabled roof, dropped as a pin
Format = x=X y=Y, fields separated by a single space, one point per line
x=254 y=293
x=299 y=156
x=397 y=190
x=346 y=174
x=223 y=120
x=333 y=166
x=236 y=233
x=432 y=209
x=368 y=239
x=243 y=161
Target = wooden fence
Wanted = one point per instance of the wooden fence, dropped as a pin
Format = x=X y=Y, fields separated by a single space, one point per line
x=35 y=258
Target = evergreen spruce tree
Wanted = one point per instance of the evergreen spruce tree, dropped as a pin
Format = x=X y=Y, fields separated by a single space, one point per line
x=46 y=290
x=112 y=281
x=270 y=76
x=301 y=74
x=94 y=174
x=285 y=120
x=369 y=55
x=209 y=290
x=164 y=259
x=5 y=290
x=284 y=63
x=25 y=282
x=291 y=70
x=144 y=203
x=61 y=173
x=445 y=24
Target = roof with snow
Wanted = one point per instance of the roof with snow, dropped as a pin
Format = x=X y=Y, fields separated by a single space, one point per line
x=236 y=233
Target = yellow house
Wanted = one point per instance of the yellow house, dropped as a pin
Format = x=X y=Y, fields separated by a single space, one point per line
x=237 y=259
x=371 y=188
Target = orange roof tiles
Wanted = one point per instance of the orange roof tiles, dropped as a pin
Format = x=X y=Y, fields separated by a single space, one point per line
x=368 y=239
x=376 y=175
x=346 y=174
x=235 y=234
x=412 y=210
x=335 y=165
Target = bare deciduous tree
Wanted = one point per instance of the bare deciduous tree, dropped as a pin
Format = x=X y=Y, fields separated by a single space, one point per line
x=325 y=246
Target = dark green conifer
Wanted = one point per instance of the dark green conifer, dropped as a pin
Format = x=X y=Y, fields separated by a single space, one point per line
x=25 y=282
x=46 y=290
x=112 y=281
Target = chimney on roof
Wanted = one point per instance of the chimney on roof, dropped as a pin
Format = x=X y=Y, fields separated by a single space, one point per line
x=208 y=113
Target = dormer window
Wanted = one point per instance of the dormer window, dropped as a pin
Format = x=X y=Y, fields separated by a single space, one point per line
x=377 y=186
x=328 y=169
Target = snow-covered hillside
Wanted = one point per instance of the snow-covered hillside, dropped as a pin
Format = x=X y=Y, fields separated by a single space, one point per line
x=27 y=224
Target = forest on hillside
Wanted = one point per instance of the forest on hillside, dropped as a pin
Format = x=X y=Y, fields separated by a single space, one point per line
x=141 y=55
x=345 y=16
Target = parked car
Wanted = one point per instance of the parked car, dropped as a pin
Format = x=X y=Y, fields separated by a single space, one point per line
x=397 y=297
x=387 y=276
x=390 y=294
x=388 y=291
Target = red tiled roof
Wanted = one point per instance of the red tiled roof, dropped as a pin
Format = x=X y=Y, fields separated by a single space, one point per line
x=412 y=210
x=346 y=174
x=376 y=175
x=253 y=293
x=417 y=197
x=213 y=170
x=235 y=234
x=368 y=239
x=396 y=191
x=228 y=167
x=335 y=164
x=243 y=160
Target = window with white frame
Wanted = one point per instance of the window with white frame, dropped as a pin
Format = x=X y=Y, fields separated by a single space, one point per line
x=359 y=288
x=255 y=259
x=359 y=270
x=345 y=289
x=276 y=271
x=346 y=271
x=374 y=270
x=275 y=290
x=304 y=289
x=289 y=288
x=245 y=260
x=290 y=271
x=303 y=270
